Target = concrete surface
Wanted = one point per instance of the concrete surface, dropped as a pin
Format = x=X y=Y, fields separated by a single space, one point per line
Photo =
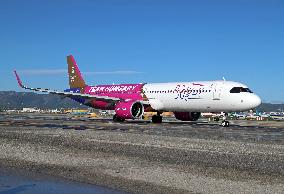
x=141 y=157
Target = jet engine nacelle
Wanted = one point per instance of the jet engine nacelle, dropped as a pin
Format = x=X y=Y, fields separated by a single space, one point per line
x=129 y=110
x=187 y=116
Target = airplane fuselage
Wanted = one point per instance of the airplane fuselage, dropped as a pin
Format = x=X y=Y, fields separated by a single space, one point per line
x=201 y=96
x=186 y=99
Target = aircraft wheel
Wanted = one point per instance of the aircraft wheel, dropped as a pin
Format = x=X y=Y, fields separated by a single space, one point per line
x=121 y=119
x=118 y=119
x=157 y=119
x=115 y=118
x=225 y=123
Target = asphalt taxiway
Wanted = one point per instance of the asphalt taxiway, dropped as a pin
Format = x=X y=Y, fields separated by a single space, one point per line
x=141 y=157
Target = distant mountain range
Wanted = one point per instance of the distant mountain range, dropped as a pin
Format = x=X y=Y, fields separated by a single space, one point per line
x=268 y=107
x=20 y=100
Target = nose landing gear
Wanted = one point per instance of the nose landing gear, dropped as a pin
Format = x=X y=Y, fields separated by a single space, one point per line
x=224 y=122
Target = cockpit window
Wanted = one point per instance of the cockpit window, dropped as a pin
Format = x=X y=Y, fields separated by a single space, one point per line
x=246 y=90
x=239 y=90
x=235 y=90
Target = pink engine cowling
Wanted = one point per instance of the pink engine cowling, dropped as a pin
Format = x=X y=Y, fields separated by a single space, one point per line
x=129 y=110
x=187 y=116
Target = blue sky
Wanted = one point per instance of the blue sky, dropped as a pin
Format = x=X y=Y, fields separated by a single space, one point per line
x=121 y=41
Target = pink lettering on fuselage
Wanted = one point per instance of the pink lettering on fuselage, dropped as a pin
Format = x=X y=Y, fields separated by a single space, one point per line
x=197 y=84
x=122 y=91
x=187 y=92
x=112 y=88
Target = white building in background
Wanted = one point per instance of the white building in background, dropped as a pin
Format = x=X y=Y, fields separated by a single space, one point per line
x=30 y=110
x=106 y=112
x=55 y=111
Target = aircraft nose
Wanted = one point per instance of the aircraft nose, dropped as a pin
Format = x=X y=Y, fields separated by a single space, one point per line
x=256 y=101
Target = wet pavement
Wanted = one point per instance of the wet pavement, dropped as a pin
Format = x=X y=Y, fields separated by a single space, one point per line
x=13 y=182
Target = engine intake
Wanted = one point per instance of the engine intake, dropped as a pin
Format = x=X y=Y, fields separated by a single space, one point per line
x=187 y=116
x=129 y=110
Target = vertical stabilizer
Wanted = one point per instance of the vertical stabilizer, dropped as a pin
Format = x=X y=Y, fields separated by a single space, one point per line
x=75 y=78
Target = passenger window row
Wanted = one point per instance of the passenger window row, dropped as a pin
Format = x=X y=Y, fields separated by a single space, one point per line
x=240 y=89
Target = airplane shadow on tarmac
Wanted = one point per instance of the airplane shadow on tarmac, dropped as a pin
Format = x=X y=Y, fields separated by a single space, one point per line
x=183 y=123
x=89 y=122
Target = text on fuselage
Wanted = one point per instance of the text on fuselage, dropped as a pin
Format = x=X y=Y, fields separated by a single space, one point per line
x=187 y=92
x=114 y=88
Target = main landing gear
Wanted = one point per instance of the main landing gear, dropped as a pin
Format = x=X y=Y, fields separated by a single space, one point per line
x=224 y=122
x=118 y=119
x=157 y=118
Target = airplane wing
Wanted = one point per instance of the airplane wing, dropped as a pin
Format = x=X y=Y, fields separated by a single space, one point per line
x=68 y=94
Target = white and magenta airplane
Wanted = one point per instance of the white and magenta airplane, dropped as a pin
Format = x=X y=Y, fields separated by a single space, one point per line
x=186 y=99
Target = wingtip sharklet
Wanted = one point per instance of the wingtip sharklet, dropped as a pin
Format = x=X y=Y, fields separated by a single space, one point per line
x=18 y=79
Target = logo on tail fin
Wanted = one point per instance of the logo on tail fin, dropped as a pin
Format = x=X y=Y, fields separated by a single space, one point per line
x=75 y=78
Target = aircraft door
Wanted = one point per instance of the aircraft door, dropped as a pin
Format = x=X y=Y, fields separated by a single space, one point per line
x=216 y=88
